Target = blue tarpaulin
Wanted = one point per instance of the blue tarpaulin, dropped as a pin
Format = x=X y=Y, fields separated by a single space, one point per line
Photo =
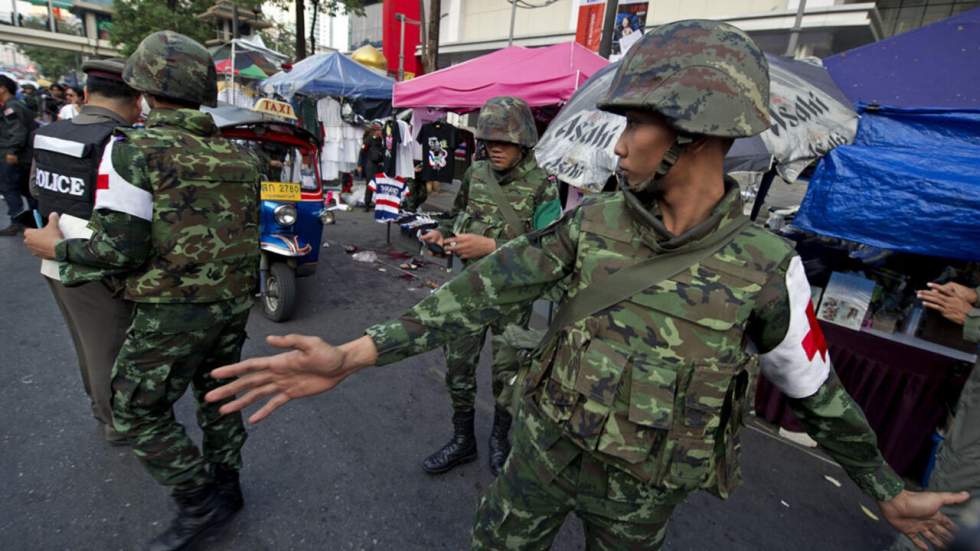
x=331 y=74
x=937 y=65
x=910 y=182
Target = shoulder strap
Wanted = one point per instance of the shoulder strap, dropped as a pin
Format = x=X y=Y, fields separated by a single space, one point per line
x=506 y=210
x=631 y=280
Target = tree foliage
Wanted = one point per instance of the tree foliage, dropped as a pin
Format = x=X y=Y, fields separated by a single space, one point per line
x=53 y=63
x=134 y=19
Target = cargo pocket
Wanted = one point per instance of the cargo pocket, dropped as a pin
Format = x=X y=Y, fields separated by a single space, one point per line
x=632 y=436
x=691 y=452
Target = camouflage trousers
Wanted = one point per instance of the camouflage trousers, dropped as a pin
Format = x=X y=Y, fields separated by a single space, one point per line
x=526 y=505
x=463 y=357
x=169 y=347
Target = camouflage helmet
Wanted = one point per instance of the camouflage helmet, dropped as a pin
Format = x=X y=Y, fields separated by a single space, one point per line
x=172 y=65
x=706 y=77
x=507 y=119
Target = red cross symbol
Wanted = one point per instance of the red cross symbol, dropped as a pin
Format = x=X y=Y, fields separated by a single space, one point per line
x=814 y=340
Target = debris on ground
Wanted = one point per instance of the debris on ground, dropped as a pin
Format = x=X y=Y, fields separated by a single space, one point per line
x=868 y=512
x=350 y=249
x=366 y=256
x=784 y=503
x=832 y=480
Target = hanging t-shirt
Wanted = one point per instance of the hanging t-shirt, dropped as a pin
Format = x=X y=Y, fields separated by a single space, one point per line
x=388 y=196
x=391 y=137
x=404 y=161
x=438 y=141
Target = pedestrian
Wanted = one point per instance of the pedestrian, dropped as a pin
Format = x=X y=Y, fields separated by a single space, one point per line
x=73 y=102
x=374 y=155
x=179 y=213
x=29 y=95
x=63 y=178
x=16 y=128
x=498 y=200
x=958 y=457
x=635 y=397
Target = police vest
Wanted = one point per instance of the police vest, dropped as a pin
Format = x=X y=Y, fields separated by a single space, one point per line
x=66 y=157
x=662 y=400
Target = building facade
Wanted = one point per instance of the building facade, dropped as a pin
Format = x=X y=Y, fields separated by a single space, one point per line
x=473 y=27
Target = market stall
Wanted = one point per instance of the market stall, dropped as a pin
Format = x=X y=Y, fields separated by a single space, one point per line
x=539 y=76
x=896 y=209
x=324 y=89
x=543 y=77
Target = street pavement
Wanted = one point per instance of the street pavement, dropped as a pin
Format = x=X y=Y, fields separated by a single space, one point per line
x=339 y=471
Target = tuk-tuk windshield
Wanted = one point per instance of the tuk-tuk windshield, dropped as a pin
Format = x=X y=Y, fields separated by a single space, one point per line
x=286 y=163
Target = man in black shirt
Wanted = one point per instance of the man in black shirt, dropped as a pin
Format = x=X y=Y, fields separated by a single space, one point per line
x=16 y=126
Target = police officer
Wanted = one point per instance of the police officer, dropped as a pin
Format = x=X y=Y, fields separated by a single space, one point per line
x=64 y=178
x=178 y=211
x=498 y=200
x=634 y=399
x=16 y=125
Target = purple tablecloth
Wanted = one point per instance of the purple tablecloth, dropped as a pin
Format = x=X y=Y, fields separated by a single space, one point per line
x=903 y=390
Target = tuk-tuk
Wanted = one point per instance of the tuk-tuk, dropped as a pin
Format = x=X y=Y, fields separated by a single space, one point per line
x=292 y=212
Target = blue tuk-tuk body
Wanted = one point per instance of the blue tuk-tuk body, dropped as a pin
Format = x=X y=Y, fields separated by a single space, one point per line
x=292 y=213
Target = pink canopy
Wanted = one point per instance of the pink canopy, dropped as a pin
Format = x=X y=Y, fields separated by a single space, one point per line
x=540 y=76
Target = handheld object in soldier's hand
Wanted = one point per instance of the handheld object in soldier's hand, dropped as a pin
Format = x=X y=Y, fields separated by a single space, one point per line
x=29 y=219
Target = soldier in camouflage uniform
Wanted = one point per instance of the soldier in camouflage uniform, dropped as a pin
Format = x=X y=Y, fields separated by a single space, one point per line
x=479 y=224
x=177 y=212
x=630 y=404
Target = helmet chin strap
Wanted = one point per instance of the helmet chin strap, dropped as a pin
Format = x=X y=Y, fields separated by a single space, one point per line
x=673 y=153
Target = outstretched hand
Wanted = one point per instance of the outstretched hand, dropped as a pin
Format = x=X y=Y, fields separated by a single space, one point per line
x=918 y=516
x=311 y=367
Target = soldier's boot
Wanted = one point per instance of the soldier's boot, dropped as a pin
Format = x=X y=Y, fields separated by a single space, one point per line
x=459 y=450
x=226 y=480
x=499 y=440
x=12 y=230
x=198 y=510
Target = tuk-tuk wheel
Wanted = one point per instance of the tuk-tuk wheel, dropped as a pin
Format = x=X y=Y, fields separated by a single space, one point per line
x=279 y=299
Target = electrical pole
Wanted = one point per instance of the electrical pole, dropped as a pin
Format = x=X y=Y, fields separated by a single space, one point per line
x=401 y=49
x=608 y=26
x=300 y=30
x=431 y=59
x=234 y=20
x=794 y=35
x=513 y=16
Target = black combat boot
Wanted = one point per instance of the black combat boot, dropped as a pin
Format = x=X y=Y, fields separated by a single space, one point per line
x=198 y=510
x=226 y=479
x=499 y=440
x=461 y=449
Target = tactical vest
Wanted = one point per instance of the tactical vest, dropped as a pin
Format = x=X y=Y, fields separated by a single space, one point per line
x=205 y=230
x=482 y=216
x=66 y=158
x=663 y=402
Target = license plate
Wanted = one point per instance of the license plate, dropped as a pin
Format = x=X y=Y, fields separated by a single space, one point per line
x=280 y=191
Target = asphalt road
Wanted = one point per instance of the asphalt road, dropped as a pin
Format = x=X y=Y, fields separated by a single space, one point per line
x=338 y=471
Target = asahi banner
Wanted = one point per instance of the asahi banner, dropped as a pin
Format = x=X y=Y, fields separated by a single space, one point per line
x=578 y=145
x=807 y=122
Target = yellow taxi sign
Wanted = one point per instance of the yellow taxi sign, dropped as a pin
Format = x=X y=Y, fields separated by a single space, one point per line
x=274 y=107
x=280 y=191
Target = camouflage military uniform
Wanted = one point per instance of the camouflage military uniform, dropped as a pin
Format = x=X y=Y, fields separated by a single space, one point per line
x=178 y=213
x=958 y=457
x=526 y=187
x=632 y=407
